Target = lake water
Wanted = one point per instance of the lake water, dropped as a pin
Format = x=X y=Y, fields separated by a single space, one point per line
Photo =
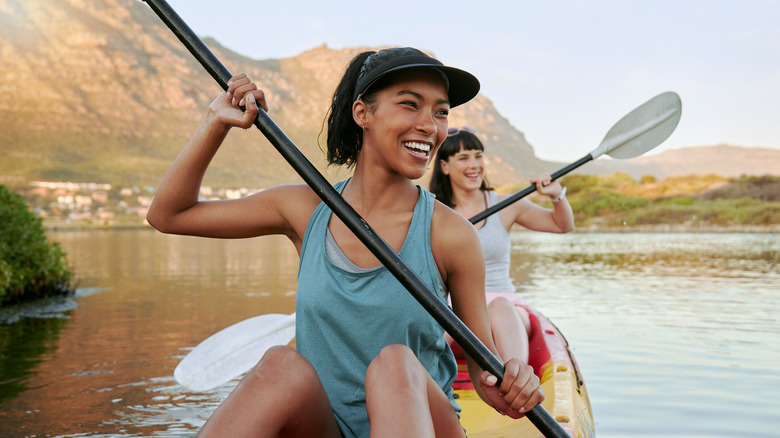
x=677 y=335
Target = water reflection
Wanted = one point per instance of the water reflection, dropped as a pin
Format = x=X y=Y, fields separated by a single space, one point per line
x=658 y=254
x=23 y=345
x=110 y=371
x=676 y=334
x=683 y=327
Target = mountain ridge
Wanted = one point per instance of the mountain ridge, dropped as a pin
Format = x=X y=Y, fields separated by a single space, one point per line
x=723 y=159
x=100 y=90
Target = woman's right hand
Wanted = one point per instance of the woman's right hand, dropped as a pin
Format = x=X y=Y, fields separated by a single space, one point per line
x=241 y=92
x=518 y=393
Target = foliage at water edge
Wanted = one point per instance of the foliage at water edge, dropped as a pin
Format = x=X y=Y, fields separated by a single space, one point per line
x=30 y=265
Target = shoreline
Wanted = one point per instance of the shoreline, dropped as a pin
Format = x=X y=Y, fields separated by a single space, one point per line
x=655 y=228
x=681 y=228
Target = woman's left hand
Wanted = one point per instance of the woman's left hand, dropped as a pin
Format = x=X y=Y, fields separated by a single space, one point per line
x=518 y=393
x=546 y=186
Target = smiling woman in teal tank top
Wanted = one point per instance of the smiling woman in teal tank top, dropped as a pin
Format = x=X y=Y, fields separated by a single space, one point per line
x=369 y=360
x=336 y=297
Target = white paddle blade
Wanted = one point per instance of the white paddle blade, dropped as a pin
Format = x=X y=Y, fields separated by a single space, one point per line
x=644 y=128
x=232 y=351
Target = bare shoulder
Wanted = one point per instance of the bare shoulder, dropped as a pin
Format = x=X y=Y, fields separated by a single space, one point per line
x=295 y=202
x=448 y=222
x=453 y=239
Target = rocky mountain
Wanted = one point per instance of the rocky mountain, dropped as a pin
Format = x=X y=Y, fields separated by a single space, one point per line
x=724 y=160
x=101 y=90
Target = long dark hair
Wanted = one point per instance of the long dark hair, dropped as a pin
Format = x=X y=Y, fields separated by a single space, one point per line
x=440 y=184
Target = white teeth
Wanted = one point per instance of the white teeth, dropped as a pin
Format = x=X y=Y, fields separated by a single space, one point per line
x=418 y=146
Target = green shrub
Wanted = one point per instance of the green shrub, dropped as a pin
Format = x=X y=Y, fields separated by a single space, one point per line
x=648 y=179
x=30 y=266
x=721 y=212
x=660 y=213
x=598 y=201
x=579 y=183
x=618 y=180
x=764 y=188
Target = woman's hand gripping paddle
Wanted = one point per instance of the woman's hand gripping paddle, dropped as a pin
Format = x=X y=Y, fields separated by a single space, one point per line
x=639 y=131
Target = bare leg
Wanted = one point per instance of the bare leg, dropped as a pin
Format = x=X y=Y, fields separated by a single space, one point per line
x=282 y=396
x=510 y=329
x=403 y=400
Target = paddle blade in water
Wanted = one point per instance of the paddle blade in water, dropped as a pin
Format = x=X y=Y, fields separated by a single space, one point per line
x=642 y=129
x=232 y=351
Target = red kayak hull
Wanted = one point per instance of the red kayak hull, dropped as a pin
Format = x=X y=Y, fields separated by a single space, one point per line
x=566 y=397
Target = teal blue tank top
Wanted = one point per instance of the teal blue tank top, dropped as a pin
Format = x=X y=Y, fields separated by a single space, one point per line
x=345 y=318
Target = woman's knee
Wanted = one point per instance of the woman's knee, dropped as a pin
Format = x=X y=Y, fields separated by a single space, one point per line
x=500 y=304
x=282 y=365
x=281 y=356
x=501 y=309
x=281 y=386
x=393 y=356
x=504 y=313
x=397 y=361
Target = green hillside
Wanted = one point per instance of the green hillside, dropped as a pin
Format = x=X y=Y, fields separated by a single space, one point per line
x=692 y=202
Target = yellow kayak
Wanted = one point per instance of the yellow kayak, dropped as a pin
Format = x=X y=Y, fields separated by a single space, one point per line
x=566 y=398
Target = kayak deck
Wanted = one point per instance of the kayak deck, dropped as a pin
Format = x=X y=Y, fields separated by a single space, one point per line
x=566 y=397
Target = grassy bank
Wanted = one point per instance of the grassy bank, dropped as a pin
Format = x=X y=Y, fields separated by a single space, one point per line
x=690 y=203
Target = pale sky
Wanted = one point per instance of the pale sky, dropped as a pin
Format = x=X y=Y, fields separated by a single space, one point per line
x=562 y=72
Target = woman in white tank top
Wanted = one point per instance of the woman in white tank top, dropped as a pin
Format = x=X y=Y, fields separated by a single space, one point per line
x=459 y=182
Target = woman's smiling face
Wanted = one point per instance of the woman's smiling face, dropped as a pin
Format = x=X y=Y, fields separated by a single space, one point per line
x=407 y=122
x=466 y=168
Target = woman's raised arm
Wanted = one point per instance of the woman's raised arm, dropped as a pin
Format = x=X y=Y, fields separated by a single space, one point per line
x=176 y=208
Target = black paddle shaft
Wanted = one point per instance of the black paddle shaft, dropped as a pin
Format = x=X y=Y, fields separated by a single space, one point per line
x=528 y=190
x=443 y=315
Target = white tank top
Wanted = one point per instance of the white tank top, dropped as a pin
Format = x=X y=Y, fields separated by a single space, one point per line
x=496 y=244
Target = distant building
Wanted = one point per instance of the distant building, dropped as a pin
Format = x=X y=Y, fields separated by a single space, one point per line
x=89 y=186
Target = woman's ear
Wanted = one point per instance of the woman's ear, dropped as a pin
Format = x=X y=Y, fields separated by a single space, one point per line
x=360 y=113
x=445 y=167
